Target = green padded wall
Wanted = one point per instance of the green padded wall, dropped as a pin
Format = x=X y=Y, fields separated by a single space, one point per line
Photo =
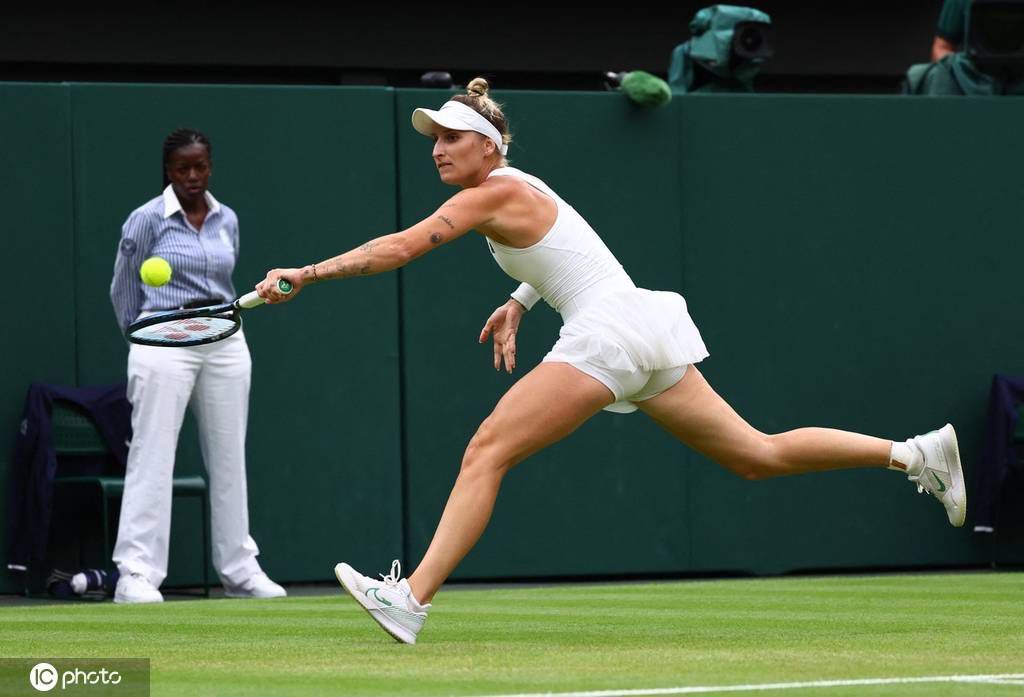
x=35 y=194
x=309 y=171
x=611 y=498
x=853 y=263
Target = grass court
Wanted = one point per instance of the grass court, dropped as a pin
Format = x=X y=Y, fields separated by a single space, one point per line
x=680 y=637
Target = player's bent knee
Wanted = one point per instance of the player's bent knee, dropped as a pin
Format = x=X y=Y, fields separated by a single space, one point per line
x=485 y=454
x=756 y=473
x=748 y=470
x=484 y=462
x=759 y=461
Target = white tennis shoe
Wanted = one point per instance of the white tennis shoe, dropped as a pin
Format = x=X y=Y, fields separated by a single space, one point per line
x=389 y=600
x=258 y=585
x=136 y=588
x=938 y=471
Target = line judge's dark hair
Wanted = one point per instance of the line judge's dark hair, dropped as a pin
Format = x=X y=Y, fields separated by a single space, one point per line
x=180 y=138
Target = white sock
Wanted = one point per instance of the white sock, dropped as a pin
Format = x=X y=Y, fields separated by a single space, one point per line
x=905 y=454
x=413 y=603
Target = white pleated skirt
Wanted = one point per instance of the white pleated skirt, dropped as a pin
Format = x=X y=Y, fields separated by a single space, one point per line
x=626 y=339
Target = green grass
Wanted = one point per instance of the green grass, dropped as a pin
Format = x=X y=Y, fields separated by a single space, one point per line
x=562 y=638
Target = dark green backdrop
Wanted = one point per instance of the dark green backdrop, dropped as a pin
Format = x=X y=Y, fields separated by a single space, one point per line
x=850 y=262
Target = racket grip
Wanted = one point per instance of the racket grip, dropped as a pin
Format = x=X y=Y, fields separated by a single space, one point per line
x=253 y=299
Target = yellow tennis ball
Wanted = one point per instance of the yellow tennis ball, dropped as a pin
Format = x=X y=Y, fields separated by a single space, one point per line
x=155 y=271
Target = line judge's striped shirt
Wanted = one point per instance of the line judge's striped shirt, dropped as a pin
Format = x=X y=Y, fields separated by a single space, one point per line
x=201 y=260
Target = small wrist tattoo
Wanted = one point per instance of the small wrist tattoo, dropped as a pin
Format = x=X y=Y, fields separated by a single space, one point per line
x=316 y=279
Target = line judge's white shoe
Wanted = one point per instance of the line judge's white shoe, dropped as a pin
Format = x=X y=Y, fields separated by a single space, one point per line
x=389 y=600
x=258 y=585
x=938 y=471
x=136 y=588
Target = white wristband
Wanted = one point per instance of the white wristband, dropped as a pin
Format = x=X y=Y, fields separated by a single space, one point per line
x=525 y=295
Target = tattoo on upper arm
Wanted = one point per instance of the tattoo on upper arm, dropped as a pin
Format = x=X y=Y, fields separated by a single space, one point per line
x=436 y=237
x=447 y=221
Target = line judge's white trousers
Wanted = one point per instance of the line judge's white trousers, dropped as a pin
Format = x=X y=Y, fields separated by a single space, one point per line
x=214 y=379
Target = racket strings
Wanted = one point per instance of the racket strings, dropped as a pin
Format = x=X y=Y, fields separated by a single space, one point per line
x=181 y=331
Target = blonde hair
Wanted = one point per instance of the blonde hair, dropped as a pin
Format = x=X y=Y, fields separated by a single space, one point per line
x=476 y=98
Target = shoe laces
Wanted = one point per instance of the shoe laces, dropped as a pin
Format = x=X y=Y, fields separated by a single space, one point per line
x=393 y=577
x=916 y=479
x=924 y=485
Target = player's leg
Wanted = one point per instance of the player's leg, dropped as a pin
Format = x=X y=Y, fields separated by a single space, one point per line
x=549 y=403
x=693 y=412
x=546 y=405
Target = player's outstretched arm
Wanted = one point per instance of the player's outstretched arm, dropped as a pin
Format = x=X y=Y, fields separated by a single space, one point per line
x=464 y=211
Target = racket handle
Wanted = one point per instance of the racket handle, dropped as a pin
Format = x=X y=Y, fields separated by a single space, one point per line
x=253 y=299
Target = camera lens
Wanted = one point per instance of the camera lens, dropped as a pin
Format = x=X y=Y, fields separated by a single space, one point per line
x=750 y=39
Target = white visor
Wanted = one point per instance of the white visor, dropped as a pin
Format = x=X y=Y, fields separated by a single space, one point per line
x=456 y=116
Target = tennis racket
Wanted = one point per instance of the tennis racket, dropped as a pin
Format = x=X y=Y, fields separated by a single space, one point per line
x=203 y=325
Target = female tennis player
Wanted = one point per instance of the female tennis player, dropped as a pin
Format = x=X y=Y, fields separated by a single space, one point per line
x=621 y=348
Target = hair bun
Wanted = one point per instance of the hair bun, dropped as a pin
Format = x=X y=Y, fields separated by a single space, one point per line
x=478 y=87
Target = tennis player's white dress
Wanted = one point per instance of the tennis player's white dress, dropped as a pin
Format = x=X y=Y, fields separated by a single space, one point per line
x=632 y=340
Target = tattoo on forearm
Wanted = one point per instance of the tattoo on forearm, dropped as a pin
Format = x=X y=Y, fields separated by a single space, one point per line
x=349 y=270
x=447 y=221
x=436 y=238
x=361 y=267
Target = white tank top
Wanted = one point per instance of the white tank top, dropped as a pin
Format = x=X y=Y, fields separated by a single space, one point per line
x=570 y=266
